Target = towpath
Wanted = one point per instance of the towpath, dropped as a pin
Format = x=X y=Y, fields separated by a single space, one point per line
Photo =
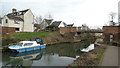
x=110 y=57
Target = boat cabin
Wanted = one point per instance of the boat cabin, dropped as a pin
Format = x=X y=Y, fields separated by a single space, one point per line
x=27 y=43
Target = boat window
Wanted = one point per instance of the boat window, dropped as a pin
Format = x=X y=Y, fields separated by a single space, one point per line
x=20 y=44
x=38 y=40
x=28 y=44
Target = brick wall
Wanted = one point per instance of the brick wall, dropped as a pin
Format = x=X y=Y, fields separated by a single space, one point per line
x=64 y=30
x=6 y=30
x=111 y=30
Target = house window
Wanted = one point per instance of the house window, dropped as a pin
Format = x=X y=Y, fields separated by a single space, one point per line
x=6 y=20
x=0 y=21
x=17 y=29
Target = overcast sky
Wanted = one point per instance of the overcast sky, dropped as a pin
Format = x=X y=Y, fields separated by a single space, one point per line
x=91 y=12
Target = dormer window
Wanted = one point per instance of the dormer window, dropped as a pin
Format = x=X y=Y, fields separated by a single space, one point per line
x=20 y=13
x=16 y=22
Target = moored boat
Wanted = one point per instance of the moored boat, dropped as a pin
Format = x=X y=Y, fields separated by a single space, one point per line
x=23 y=46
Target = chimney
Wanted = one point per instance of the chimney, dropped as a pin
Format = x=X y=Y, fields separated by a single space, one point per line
x=14 y=10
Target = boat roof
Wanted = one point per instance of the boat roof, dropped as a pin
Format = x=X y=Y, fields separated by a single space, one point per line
x=27 y=41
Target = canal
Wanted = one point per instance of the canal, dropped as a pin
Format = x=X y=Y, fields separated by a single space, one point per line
x=53 y=55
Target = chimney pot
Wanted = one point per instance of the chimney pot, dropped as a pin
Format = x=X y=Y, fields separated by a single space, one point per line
x=14 y=10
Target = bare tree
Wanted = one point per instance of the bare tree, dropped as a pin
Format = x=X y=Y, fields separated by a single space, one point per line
x=112 y=16
x=49 y=16
x=38 y=19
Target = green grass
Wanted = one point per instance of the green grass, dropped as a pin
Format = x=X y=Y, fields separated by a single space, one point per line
x=99 y=57
x=27 y=35
x=100 y=53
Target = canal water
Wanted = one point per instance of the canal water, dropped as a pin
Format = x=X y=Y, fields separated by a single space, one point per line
x=53 y=55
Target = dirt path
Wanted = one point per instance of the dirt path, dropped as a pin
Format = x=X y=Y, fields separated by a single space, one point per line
x=110 y=57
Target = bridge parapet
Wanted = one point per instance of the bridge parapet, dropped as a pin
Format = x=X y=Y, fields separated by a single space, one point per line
x=90 y=31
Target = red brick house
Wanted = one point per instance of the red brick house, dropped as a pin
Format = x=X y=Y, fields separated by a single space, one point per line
x=111 y=34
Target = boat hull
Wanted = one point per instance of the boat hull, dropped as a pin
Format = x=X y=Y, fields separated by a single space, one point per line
x=28 y=49
x=37 y=54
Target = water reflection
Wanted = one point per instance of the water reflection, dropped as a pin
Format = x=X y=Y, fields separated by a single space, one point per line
x=55 y=55
x=22 y=59
x=69 y=50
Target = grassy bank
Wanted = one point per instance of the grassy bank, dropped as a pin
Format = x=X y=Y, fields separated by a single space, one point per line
x=92 y=58
x=48 y=37
x=27 y=35
x=20 y=36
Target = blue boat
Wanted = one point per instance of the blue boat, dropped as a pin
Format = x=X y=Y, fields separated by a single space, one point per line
x=23 y=46
x=34 y=55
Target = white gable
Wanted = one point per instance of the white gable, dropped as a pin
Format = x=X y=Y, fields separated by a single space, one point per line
x=61 y=24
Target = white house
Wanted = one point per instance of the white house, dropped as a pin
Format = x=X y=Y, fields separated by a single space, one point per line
x=22 y=21
x=56 y=23
x=45 y=23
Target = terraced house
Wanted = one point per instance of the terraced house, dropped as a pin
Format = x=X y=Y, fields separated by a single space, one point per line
x=21 y=21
